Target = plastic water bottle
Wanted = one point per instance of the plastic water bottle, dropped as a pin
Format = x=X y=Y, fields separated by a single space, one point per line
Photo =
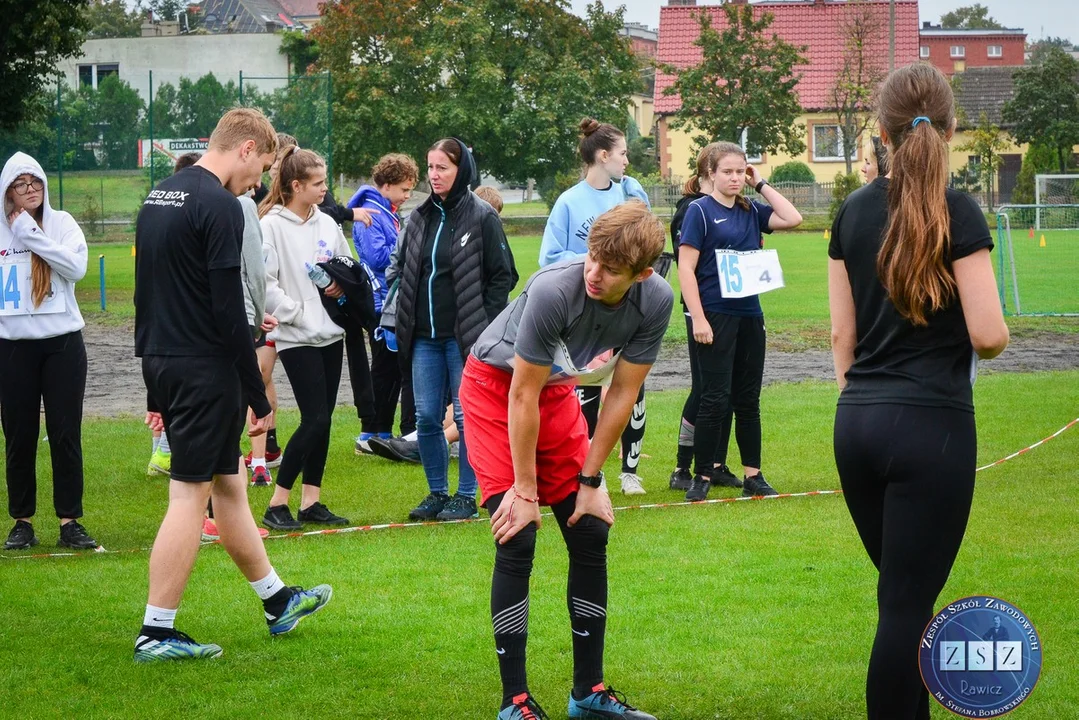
x=321 y=279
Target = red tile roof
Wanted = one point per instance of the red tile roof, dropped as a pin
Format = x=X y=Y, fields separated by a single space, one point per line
x=302 y=8
x=813 y=24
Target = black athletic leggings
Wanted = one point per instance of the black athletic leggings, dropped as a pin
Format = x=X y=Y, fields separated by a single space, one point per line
x=359 y=377
x=731 y=370
x=908 y=480
x=315 y=375
x=52 y=370
x=632 y=436
x=688 y=423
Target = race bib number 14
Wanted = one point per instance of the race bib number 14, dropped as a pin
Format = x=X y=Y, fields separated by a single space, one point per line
x=15 y=292
x=745 y=274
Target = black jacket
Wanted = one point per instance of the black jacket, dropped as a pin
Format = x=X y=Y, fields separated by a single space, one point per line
x=456 y=268
x=358 y=310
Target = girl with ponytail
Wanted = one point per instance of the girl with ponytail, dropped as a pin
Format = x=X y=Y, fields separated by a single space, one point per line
x=913 y=303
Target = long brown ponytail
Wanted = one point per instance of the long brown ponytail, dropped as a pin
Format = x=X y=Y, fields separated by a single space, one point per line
x=40 y=279
x=917 y=109
x=297 y=164
x=704 y=167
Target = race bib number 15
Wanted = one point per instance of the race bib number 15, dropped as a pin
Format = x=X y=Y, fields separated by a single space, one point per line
x=745 y=274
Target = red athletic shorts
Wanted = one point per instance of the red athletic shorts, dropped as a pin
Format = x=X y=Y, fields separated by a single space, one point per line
x=563 y=434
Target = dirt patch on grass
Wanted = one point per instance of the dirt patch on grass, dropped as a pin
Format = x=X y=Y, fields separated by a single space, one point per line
x=115 y=386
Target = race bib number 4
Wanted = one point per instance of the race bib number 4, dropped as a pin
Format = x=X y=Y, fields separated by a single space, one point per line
x=15 y=292
x=745 y=274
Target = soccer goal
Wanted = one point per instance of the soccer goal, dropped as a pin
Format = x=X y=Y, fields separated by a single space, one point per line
x=1037 y=263
x=1054 y=190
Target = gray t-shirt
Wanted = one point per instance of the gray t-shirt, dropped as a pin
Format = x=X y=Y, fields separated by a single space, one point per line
x=554 y=322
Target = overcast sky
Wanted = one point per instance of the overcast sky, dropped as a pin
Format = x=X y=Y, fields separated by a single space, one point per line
x=1039 y=18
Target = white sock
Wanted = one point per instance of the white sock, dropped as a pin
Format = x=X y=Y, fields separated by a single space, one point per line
x=163 y=443
x=157 y=441
x=159 y=617
x=268 y=586
x=412 y=436
x=258 y=462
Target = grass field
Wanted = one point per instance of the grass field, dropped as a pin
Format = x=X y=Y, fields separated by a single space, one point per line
x=113 y=195
x=797 y=314
x=744 y=610
x=1046 y=276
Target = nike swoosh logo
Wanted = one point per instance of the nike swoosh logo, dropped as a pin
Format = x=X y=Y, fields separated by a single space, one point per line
x=500 y=651
x=588 y=400
x=720 y=220
x=582 y=634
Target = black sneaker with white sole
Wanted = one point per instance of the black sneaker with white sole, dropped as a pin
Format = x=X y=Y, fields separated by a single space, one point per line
x=279 y=517
x=396 y=449
x=74 y=535
x=757 y=486
x=460 y=507
x=21 y=537
x=321 y=515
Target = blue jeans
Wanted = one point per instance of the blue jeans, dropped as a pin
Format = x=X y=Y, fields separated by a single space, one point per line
x=436 y=368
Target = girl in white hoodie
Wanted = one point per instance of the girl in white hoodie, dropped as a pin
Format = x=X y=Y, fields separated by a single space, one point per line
x=297 y=236
x=42 y=356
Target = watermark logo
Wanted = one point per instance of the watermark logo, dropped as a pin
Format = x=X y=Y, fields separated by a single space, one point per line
x=980 y=657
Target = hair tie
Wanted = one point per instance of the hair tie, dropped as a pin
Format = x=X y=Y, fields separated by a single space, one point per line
x=920 y=119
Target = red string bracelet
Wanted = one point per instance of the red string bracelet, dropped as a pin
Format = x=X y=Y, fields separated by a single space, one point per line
x=522 y=497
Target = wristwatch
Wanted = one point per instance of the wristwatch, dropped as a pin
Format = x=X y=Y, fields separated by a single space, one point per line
x=760 y=186
x=593 y=481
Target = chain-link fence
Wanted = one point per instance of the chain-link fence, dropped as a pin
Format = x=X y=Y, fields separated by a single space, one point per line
x=103 y=144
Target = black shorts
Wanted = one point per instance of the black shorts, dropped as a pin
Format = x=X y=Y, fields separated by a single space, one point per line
x=204 y=413
x=260 y=337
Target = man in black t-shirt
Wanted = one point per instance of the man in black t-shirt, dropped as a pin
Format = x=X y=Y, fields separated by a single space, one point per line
x=198 y=361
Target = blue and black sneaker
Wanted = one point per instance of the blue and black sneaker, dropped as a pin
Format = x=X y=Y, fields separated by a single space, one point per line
x=162 y=644
x=605 y=702
x=300 y=605
x=523 y=707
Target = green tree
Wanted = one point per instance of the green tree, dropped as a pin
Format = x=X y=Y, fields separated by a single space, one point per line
x=200 y=104
x=744 y=81
x=1045 y=107
x=970 y=17
x=1040 y=48
x=300 y=48
x=511 y=79
x=164 y=111
x=861 y=71
x=793 y=171
x=112 y=19
x=1039 y=159
x=845 y=184
x=118 y=110
x=986 y=143
x=33 y=41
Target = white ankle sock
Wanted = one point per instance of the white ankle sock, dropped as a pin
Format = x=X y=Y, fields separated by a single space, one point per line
x=258 y=462
x=412 y=436
x=268 y=586
x=163 y=443
x=156 y=442
x=159 y=617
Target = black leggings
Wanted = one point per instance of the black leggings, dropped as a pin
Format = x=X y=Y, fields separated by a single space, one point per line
x=632 y=436
x=315 y=375
x=53 y=370
x=908 y=480
x=687 y=426
x=731 y=370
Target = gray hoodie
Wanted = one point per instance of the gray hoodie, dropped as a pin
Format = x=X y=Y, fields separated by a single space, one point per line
x=59 y=242
x=252 y=264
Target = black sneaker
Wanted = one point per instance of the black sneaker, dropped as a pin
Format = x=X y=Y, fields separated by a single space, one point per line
x=74 y=535
x=321 y=515
x=698 y=488
x=279 y=517
x=21 y=536
x=681 y=479
x=460 y=507
x=757 y=486
x=431 y=506
x=396 y=449
x=722 y=475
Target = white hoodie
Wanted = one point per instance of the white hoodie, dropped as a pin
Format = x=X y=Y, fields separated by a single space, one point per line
x=289 y=242
x=59 y=242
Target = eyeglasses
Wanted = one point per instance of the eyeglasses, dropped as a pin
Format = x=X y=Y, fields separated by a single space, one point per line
x=22 y=188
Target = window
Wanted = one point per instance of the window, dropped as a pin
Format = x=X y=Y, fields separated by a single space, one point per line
x=827 y=143
x=744 y=143
x=996 y=51
x=86 y=76
x=923 y=52
x=959 y=51
x=92 y=75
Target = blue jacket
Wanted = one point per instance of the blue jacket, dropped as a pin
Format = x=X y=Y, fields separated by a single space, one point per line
x=374 y=244
x=566 y=235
